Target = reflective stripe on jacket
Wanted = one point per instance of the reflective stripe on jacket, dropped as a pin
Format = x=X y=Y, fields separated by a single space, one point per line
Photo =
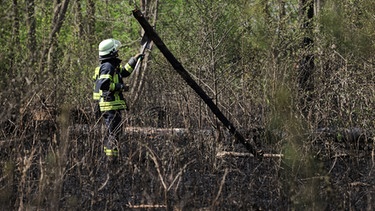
x=97 y=92
x=108 y=82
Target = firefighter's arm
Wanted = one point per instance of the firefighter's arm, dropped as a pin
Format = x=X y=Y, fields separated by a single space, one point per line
x=129 y=67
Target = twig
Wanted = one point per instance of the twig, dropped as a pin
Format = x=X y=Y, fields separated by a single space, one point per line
x=243 y=154
x=104 y=184
x=333 y=165
x=157 y=166
x=220 y=188
x=141 y=206
x=179 y=174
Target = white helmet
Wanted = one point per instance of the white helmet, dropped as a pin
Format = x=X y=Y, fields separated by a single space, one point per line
x=108 y=47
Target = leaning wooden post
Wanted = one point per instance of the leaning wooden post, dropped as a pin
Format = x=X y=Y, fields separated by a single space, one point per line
x=185 y=75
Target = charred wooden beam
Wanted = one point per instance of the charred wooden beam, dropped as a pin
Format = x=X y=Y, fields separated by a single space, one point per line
x=185 y=75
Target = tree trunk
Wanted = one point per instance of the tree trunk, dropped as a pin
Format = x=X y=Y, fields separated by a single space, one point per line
x=307 y=65
x=57 y=22
x=31 y=34
x=16 y=31
x=79 y=21
x=91 y=22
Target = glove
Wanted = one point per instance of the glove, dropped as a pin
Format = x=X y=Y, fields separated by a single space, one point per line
x=139 y=56
x=125 y=88
x=122 y=87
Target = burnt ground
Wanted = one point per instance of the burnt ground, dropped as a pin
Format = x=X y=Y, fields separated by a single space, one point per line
x=182 y=171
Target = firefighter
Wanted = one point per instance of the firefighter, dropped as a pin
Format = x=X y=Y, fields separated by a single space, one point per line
x=108 y=90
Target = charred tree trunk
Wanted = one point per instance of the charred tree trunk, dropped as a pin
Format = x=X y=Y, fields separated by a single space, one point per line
x=185 y=75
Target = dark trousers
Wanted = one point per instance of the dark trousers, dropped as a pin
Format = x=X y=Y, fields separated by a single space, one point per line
x=113 y=123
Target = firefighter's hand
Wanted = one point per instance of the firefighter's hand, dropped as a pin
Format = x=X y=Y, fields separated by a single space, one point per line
x=139 y=56
x=124 y=88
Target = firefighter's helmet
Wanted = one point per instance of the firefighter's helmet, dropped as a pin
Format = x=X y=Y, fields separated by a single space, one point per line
x=108 y=48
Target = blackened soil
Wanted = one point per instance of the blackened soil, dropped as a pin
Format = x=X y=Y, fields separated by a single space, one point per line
x=182 y=171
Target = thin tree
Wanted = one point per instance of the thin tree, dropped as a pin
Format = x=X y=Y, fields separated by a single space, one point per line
x=307 y=65
x=31 y=33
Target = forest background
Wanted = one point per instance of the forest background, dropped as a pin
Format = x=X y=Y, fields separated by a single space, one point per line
x=295 y=77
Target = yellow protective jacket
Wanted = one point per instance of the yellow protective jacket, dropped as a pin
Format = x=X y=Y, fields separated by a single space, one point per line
x=108 y=82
